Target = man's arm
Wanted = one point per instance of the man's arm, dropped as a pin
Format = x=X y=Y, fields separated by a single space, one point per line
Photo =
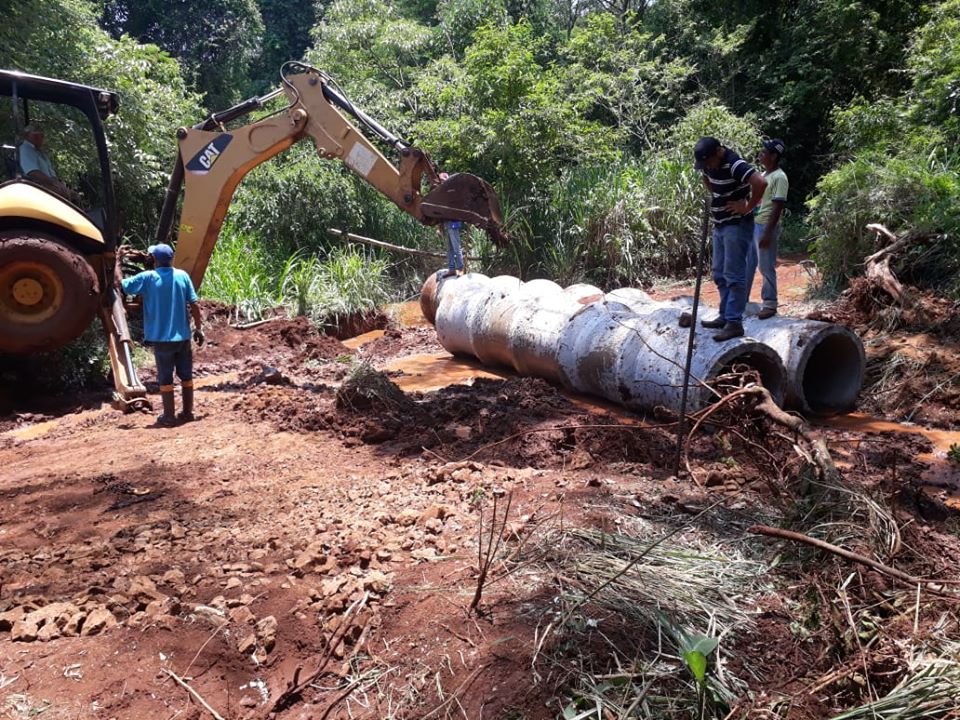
x=196 y=315
x=132 y=285
x=775 y=213
x=757 y=183
x=198 y=337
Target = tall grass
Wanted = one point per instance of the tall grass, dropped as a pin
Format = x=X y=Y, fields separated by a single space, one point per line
x=346 y=282
x=240 y=275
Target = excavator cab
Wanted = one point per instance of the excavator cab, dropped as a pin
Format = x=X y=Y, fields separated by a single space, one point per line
x=58 y=221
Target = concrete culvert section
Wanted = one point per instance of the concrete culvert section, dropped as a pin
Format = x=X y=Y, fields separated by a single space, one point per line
x=831 y=373
x=589 y=342
x=824 y=363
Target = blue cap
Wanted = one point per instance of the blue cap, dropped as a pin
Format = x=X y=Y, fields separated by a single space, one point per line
x=775 y=145
x=162 y=253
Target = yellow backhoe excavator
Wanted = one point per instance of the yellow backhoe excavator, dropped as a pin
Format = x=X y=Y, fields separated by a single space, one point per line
x=58 y=266
x=57 y=244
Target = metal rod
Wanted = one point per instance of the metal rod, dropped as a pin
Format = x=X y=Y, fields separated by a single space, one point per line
x=681 y=425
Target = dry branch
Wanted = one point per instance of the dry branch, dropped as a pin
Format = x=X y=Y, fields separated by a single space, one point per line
x=878 y=264
x=295 y=686
x=195 y=694
x=817 y=446
x=855 y=557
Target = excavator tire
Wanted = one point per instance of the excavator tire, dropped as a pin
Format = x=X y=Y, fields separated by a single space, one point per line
x=48 y=292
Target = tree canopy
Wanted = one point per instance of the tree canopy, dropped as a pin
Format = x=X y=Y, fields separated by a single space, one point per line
x=582 y=113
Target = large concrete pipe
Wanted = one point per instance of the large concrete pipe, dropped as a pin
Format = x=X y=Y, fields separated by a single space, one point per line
x=607 y=349
x=824 y=362
x=587 y=341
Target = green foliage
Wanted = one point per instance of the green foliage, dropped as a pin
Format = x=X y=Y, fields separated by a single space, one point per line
x=934 y=65
x=286 y=36
x=905 y=193
x=626 y=223
x=460 y=19
x=61 y=38
x=953 y=454
x=505 y=116
x=291 y=201
x=352 y=283
x=239 y=275
x=216 y=41
x=625 y=78
x=346 y=284
x=898 y=170
x=79 y=365
x=373 y=51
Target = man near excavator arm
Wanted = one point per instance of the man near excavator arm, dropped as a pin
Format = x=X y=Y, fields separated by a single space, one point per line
x=167 y=295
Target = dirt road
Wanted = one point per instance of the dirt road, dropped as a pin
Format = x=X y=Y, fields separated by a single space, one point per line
x=303 y=553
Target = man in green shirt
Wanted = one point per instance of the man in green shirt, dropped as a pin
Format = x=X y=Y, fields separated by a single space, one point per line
x=767 y=226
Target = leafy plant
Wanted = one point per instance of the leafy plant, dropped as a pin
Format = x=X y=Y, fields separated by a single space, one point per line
x=953 y=454
x=239 y=275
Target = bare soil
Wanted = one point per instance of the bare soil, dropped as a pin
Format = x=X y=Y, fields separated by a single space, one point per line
x=308 y=547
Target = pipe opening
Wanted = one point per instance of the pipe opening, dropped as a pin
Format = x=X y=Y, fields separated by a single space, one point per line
x=831 y=376
x=767 y=365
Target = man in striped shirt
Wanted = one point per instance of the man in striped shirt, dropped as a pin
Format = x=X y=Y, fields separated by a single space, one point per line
x=736 y=188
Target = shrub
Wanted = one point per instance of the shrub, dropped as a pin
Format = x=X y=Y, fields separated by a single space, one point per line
x=906 y=193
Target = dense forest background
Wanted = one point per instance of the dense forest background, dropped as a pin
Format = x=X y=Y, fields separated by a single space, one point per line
x=582 y=113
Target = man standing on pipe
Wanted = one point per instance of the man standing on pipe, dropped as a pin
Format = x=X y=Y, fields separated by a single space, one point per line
x=736 y=188
x=767 y=226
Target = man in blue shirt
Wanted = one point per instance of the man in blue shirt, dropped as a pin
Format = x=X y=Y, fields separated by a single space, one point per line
x=736 y=188
x=167 y=295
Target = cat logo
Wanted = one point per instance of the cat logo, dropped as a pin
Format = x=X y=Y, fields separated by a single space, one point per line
x=204 y=160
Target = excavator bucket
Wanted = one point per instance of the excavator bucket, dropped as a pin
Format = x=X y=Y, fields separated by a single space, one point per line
x=468 y=198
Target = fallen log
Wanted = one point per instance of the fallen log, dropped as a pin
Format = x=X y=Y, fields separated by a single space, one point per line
x=878 y=265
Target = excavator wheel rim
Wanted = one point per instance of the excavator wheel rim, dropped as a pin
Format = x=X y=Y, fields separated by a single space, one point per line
x=30 y=292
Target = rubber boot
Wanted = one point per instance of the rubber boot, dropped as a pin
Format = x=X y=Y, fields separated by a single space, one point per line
x=168 y=419
x=187 y=414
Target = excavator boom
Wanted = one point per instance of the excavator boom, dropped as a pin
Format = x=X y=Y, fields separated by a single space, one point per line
x=213 y=160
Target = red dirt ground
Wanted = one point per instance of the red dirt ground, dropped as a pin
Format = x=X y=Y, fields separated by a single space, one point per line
x=293 y=528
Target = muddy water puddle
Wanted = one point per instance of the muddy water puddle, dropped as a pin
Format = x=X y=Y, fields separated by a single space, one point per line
x=355 y=342
x=434 y=371
x=406 y=314
x=942 y=476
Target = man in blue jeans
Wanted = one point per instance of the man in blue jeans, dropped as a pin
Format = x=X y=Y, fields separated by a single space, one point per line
x=736 y=188
x=767 y=226
x=167 y=295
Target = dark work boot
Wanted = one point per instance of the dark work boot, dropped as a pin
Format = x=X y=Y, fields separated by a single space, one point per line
x=187 y=414
x=730 y=330
x=168 y=419
x=766 y=313
x=714 y=324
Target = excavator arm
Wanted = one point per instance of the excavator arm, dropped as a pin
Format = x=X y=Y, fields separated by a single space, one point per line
x=213 y=160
